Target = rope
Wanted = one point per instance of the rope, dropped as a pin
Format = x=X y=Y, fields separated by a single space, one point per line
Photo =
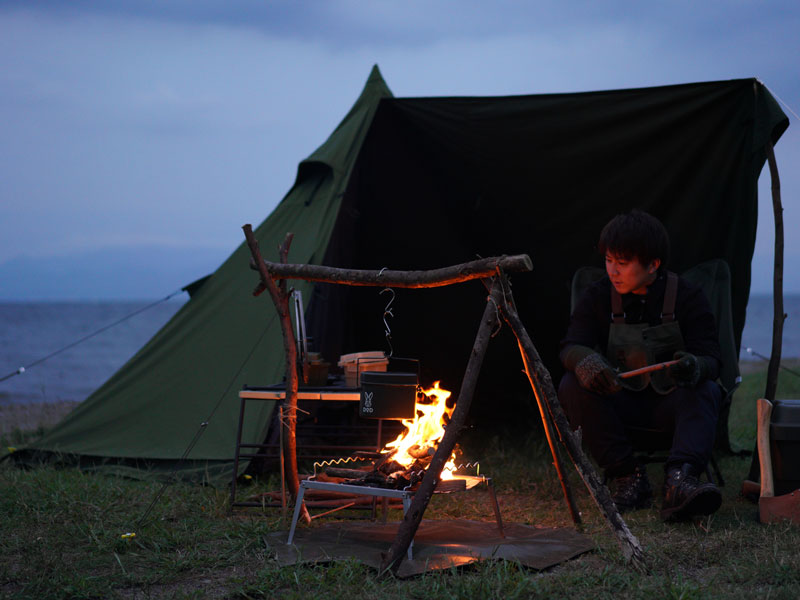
x=789 y=108
x=21 y=370
x=754 y=353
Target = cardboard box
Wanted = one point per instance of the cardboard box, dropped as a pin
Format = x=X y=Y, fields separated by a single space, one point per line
x=356 y=363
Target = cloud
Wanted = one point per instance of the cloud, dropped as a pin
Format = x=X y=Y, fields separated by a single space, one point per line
x=138 y=119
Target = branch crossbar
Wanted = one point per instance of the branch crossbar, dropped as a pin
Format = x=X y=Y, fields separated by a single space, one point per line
x=476 y=269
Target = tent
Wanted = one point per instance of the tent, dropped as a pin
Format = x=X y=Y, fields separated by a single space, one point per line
x=418 y=183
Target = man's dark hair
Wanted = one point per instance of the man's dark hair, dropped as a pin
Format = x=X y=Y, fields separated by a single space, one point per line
x=636 y=234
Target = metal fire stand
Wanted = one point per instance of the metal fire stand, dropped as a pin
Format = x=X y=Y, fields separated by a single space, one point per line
x=404 y=495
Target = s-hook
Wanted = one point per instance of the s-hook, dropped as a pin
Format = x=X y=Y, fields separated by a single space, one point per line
x=387 y=312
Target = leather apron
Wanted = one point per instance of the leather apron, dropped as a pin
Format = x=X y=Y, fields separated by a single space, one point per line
x=635 y=345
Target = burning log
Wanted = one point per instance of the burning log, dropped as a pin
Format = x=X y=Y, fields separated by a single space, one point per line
x=418 y=452
x=385 y=472
x=346 y=473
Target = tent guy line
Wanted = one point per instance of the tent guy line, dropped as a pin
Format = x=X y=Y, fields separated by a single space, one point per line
x=89 y=336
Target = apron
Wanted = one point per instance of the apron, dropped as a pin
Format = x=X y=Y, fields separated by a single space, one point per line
x=632 y=346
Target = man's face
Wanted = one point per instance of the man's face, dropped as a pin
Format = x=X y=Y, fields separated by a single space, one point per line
x=628 y=275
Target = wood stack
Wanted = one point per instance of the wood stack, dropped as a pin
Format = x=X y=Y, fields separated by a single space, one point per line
x=384 y=472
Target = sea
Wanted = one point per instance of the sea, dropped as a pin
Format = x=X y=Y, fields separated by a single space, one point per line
x=69 y=349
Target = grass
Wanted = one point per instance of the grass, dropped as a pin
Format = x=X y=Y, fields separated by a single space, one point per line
x=60 y=537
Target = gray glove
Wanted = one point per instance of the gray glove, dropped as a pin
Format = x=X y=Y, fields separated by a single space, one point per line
x=595 y=374
x=690 y=369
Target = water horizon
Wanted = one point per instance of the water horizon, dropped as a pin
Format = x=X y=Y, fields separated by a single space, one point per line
x=31 y=331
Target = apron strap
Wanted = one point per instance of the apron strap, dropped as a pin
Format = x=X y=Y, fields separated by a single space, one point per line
x=667 y=311
x=617 y=314
x=670 y=295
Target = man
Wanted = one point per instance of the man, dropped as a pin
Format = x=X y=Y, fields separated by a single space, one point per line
x=639 y=315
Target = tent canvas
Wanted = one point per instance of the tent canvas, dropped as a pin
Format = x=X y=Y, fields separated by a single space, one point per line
x=418 y=183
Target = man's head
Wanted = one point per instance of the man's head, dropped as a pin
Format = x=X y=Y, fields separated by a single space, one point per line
x=635 y=246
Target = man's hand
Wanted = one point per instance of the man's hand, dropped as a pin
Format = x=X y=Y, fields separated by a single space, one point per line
x=689 y=371
x=595 y=374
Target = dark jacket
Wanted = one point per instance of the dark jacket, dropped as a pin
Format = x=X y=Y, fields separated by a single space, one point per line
x=591 y=319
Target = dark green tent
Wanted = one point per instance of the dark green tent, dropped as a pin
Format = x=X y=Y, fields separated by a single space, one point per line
x=418 y=183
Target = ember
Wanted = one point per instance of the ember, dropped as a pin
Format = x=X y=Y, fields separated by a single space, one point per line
x=402 y=462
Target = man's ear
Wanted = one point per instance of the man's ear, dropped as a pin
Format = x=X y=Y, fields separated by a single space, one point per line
x=653 y=266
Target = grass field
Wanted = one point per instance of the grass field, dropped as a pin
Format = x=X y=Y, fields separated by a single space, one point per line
x=60 y=537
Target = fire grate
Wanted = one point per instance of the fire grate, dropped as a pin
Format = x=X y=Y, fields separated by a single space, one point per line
x=405 y=494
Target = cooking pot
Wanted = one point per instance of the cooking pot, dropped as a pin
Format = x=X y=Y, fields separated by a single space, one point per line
x=388 y=395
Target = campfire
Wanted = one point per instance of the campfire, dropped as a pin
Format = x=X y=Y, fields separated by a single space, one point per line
x=402 y=462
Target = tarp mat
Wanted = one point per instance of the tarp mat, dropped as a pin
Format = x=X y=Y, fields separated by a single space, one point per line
x=439 y=544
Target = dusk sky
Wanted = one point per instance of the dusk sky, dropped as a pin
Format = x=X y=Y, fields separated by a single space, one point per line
x=162 y=127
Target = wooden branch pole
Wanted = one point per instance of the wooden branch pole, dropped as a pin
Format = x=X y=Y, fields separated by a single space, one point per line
x=281 y=300
x=547 y=423
x=542 y=385
x=477 y=269
x=777 y=278
x=411 y=520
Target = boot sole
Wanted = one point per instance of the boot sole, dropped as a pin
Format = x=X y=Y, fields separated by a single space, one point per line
x=704 y=502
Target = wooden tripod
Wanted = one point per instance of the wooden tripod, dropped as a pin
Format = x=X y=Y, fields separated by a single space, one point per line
x=499 y=304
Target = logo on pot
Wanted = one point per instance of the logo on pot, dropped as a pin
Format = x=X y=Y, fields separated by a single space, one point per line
x=367 y=405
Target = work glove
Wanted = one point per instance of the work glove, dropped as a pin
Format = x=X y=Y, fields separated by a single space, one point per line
x=596 y=375
x=690 y=369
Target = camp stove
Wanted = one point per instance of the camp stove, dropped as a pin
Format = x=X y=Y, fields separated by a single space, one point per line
x=360 y=483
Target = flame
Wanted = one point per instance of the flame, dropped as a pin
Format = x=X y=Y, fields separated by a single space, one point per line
x=425 y=430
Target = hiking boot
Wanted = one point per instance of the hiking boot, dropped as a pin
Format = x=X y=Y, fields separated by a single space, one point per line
x=633 y=491
x=686 y=497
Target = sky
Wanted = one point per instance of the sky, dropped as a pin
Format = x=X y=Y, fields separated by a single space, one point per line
x=149 y=132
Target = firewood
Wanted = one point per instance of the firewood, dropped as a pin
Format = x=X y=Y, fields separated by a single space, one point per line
x=365 y=454
x=392 y=467
x=346 y=473
x=417 y=451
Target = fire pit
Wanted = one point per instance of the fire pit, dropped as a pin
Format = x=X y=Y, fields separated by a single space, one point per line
x=396 y=471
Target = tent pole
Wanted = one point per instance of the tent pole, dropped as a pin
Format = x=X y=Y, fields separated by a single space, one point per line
x=777 y=280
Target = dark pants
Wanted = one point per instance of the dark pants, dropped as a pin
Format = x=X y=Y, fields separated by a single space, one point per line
x=691 y=413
